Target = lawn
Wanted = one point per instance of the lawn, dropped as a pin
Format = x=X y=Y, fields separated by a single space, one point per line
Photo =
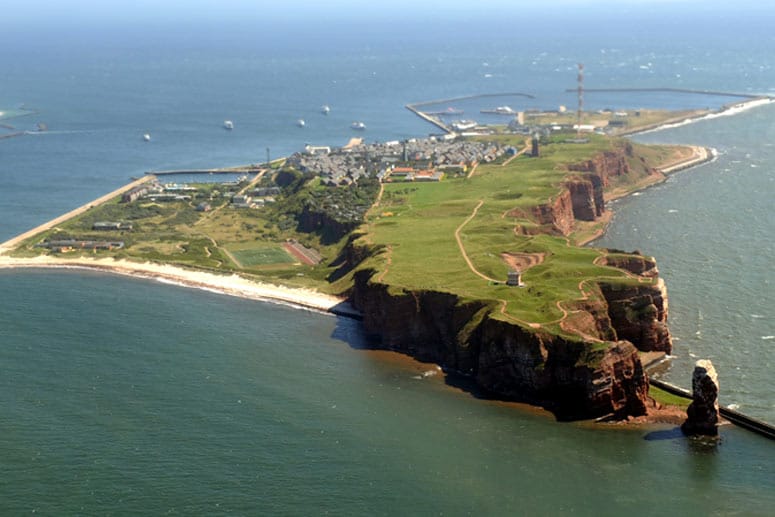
x=261 y=255
x=422 y=252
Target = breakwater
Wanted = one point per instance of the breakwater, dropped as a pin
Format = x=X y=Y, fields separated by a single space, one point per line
x=415 y=107
x=736 y=417
x=470 y=97
x=716 y=93
x=234 y=170
x=11 y=243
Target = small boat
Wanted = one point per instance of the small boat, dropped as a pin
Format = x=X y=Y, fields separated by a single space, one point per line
x=360 y=126
x=228 y=124
x=301 y=122
x=147 y=137
x=324 y=109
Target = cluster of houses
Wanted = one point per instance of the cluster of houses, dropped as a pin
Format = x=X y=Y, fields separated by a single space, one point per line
x=155 y=191
x=427 y=159
x=65 y=245
x=256 y=198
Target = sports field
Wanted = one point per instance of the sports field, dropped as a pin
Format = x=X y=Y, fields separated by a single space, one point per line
x=261 y=256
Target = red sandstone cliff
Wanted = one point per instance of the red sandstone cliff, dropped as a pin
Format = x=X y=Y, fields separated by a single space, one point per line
x=582 y=195
x=572 y=378
x=597 y=374
x=639 y=315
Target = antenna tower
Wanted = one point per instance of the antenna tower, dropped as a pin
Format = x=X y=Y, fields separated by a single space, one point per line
x=581 y=98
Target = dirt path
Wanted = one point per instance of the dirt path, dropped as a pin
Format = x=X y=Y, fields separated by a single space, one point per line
x=519 y=153
x=208 y=215
x=389 y=260
x=473 y=170
x=462 y=248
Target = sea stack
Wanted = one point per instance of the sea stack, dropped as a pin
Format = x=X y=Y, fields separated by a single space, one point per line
x=702 y=413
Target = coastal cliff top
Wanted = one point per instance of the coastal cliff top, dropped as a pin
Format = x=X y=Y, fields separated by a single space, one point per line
x=460 y=230
x=464 y=235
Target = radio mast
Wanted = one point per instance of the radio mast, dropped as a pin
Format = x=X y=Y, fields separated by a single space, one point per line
x=581 y=98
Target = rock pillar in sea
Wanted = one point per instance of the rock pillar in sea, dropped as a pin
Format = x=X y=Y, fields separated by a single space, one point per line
x=702 y=413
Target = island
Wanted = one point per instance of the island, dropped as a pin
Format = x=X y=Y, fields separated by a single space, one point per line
x=467 y=250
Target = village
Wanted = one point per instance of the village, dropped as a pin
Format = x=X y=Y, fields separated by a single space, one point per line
x=415 y=159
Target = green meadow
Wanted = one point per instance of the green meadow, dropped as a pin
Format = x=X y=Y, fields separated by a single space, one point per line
x=458 y=236
x=415 y=226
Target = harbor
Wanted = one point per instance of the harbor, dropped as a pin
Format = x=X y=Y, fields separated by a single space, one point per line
x=249 y=169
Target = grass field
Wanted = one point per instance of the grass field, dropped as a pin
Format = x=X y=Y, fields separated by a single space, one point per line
x=422 y=252
x=448 y=236
x=261 y=256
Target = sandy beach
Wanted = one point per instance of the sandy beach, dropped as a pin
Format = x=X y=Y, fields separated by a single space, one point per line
x=233 y=284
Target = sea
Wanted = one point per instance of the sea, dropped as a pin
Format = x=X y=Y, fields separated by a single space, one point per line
x=124 y=396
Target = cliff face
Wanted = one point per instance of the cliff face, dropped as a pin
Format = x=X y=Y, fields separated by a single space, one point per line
x=606 y=165
x=582 y=196
x=330 y=229
x=524 y=364
x=428 y=325
x=639 y=315
x=559 y=214
x=587 y=197
x=598 y=373
x=505 y=358
x=633 y=262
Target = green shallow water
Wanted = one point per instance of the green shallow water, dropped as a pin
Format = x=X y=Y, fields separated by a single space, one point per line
x=131 y=397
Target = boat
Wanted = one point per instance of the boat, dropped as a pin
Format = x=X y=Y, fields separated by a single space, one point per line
x=464 y=125
x=301 y=122
x=147 y=137
x=228 y=124
x=324 y=109
x=504 y=110
x=360 y=126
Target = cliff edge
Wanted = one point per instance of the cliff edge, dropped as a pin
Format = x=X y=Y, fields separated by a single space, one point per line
x=568 y=338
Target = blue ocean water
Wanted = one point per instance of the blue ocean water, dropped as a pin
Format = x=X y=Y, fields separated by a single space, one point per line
x=124 y=396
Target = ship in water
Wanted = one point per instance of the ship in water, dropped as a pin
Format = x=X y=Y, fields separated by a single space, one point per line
x=147 y=137
x=325 y=109
x=501 y=110
x=464 y=125
x=360 y=126
x=228 y=124
x=301 y=122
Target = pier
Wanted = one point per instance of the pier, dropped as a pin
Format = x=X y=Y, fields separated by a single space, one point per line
x=433 y=120
x=670 y=90
x=427 y=116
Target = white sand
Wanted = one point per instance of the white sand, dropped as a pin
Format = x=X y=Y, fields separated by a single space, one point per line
x=234 y=285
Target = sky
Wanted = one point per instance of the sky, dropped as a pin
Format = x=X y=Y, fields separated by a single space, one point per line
x=73 y=11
